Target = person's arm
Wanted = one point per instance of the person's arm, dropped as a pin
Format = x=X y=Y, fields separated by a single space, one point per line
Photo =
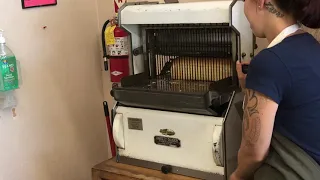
x=266 y=83
x=258 y=120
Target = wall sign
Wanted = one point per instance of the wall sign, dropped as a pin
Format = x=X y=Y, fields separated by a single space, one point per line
x=37 y=3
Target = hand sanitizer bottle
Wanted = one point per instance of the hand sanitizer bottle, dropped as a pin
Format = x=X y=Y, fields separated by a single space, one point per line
x=9 y=79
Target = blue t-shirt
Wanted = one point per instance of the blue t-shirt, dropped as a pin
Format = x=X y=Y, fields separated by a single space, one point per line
x=289 y=74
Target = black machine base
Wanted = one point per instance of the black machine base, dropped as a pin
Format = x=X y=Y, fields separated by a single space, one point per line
x=170 y=169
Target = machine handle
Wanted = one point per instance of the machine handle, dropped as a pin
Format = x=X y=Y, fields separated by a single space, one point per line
x=245 y=68
x=216 y=148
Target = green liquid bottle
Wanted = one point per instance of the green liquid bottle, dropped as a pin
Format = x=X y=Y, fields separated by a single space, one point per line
x=9 y=79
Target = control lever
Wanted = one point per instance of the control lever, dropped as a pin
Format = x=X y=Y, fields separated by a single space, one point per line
x=245 y=68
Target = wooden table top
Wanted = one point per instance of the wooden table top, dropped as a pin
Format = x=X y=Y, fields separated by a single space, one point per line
x=113 y=171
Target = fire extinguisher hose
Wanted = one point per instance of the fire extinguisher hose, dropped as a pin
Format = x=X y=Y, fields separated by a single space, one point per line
x=105 y=55
x=109 y=128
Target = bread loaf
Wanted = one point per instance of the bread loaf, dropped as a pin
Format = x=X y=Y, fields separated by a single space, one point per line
x=201 y=69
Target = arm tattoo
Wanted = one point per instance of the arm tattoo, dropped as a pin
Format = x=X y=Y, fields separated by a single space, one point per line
x=251 y=128
x=252 y=98
x=271 y=8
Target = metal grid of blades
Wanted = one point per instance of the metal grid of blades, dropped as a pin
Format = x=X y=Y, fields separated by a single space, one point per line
x=190 y=52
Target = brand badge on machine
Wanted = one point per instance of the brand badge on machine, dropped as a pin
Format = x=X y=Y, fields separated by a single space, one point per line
x=167 y=141
x=167 y=132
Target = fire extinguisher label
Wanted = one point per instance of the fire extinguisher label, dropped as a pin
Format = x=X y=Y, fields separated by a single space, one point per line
x=120 y=47
x=116 y=73
x=109 y=35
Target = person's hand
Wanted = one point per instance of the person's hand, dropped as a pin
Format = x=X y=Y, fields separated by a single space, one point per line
x=241 y=75
x=235 y=177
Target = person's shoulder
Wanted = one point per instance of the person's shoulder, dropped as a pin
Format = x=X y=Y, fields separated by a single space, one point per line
x=296 y=50
x=268 y=63
x=299 y=38
x=292 y=46
x=266 y=58
x=268 y=75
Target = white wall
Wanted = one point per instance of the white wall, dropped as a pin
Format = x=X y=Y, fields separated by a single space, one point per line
x=59 y=133
x=105 y=12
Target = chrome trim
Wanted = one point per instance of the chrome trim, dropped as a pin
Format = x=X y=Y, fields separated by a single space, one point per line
x=232 y=133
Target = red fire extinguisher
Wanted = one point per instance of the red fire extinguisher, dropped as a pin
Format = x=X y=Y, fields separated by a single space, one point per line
x=115 y=43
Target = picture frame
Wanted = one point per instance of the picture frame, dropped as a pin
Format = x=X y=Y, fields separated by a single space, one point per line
x=26 y=4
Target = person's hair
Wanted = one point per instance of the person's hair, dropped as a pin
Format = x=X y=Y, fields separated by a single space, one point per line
x=307 y=12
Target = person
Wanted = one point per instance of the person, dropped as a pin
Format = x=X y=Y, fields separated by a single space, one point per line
x=282 y=86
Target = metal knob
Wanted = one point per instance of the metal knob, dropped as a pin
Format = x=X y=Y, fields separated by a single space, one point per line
x=166 y=169
x=112 y=93
x=137 y=51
